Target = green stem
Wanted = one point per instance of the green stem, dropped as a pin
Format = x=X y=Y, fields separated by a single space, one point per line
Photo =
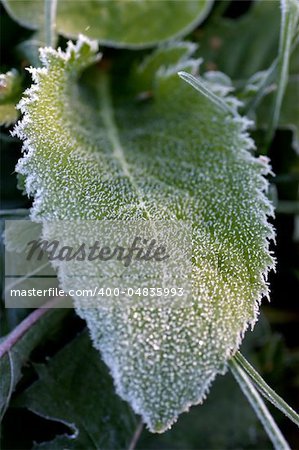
x=220 y=8
x=50 y=19
x=275 y=435
x=136 y=436
x=14 y=212
x=289 y=22
x=22 y=328
x=265 y=390
x=252 y=105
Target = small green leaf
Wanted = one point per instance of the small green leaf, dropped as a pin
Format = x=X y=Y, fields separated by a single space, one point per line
x=10 y=94
x=117 y=23
x=183 y=155
x=75 y=388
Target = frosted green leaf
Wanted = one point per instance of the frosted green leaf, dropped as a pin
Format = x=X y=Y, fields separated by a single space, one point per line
x=99 y=149
x=117 y=23
x=10 y=94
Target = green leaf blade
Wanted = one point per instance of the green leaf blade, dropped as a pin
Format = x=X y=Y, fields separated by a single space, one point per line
x=133 y=24
x=178 y=156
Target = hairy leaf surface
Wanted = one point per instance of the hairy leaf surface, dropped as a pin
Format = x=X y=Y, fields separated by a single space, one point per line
x=116 y=23
x=99 y=148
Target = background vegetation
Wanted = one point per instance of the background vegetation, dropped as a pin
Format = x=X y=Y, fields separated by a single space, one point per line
x=53 y=362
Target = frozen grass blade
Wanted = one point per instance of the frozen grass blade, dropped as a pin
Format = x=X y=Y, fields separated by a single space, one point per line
x=288 y=34
x=265 y=390
x=255 y=400
x=199 y=85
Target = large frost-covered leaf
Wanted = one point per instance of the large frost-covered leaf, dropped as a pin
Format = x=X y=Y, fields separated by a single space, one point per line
x=117 y=23
x=101 y=148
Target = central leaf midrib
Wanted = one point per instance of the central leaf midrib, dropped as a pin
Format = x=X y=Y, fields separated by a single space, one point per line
x=107 y=114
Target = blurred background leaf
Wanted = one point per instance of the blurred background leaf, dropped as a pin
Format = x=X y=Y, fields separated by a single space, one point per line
x=75 y=388
x=116 y=23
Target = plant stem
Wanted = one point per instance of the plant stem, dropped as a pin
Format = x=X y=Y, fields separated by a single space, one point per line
x=256 y=100
x=265 y=390
x=50 y=7
x=11 y=386
x=275 y=435
x=14 y=212
x=25 y=325
x=136 y=436
x=220 y=8
x=289 y=22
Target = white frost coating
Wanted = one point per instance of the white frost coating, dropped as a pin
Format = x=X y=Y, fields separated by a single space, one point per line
x=178 y=156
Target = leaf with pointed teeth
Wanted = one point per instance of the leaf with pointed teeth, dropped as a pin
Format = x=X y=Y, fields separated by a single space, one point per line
x=93 y=150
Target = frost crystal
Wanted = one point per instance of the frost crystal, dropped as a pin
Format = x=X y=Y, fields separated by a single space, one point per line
x=90 y=155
